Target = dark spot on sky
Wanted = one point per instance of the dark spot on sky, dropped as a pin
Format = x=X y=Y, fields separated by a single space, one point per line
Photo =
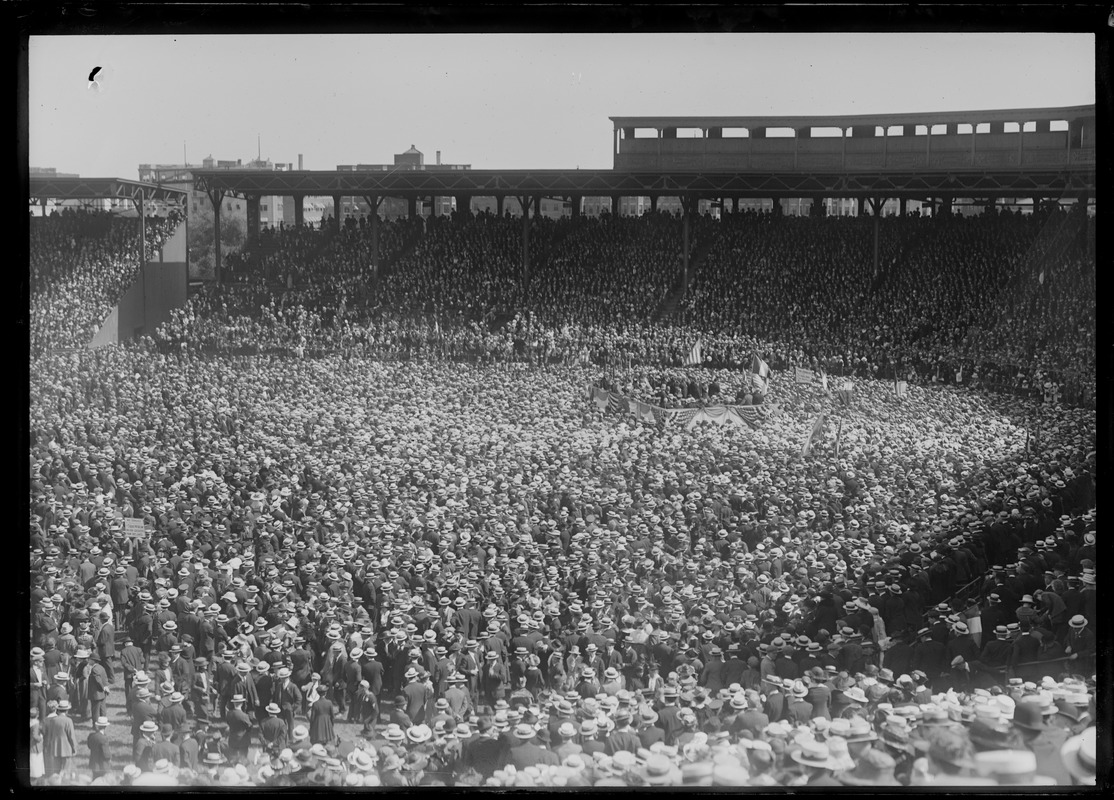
x=93 y=74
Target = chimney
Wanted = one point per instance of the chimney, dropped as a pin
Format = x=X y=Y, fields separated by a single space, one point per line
x=438 y=158
x=299 y=161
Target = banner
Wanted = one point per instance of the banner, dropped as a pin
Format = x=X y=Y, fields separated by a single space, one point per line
x=739 y=416
x=901 y=388
x=801 y=375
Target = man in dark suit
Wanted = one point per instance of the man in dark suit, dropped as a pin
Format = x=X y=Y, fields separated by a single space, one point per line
x=712 y=676
x=775 y=699
x=287 y=696
x=273 y=730
x=623 y=738
x=418 y=695
x=131 y=661
x=239 y=727
x=97 y=686
x=100 y=752
x=353 y=674
x=798 y=710
x=181 y=670
x=371 y=670
x=143 y=711
x=669 y=715
x=526 y=752
x=648 y=729
x=165 y=746
x=105 y=640
x=486 y=752
x=753 y=718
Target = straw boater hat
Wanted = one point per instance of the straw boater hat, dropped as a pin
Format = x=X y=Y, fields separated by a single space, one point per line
x=814 y=754
x=1079 y=756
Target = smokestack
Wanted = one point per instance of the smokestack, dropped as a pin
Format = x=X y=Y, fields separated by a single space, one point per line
x=438 y=158
x=299 y=161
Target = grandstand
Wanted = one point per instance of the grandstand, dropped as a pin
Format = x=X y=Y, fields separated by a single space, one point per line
x=675 y=499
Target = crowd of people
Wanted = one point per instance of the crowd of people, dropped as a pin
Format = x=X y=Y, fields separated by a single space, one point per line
x=81 y=263
x=999 y=301
x=373 y=573
x=333 y=527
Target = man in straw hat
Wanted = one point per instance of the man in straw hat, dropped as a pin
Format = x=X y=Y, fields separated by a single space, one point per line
x=816 y=764
x=59 y=741
x=1079 y=757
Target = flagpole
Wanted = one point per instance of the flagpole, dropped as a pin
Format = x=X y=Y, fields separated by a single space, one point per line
x=839 y=430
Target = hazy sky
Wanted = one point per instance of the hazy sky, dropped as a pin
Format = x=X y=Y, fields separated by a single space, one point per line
x=496 y=100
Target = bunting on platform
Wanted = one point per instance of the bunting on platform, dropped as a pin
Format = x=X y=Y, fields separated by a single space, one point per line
x=738 y=416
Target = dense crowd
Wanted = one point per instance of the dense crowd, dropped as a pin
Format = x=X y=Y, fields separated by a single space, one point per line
x=367 y=573
x=333 y=527
x=81 y=263
x=1000 y=301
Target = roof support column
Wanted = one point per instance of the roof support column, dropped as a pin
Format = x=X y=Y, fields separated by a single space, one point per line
x=861 y=206
x=253 y=219
x=616 y=205
x=876 y=210
x=463 y=206
x=338 y=211
x=140 y=206
x=688 y=207
x=216 y=197
x=817 y=209
x=654 y=203
x=901 y=206
x=299 y=210
x=574 y=205
x=412 y=207
x=525 y=202
x=499 y=198
x=373 y=202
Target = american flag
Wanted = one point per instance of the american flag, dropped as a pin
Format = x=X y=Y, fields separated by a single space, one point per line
x=695 y=357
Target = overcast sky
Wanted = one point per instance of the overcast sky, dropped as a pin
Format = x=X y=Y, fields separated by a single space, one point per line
x=493 y=100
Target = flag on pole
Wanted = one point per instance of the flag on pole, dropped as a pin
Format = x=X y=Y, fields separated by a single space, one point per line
x=801 y=375
x=760 y=375
x=817 y=427
x=824 y=380
x=901 y=388
x=844 y=394
x=695 y=357
x=839 y=431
